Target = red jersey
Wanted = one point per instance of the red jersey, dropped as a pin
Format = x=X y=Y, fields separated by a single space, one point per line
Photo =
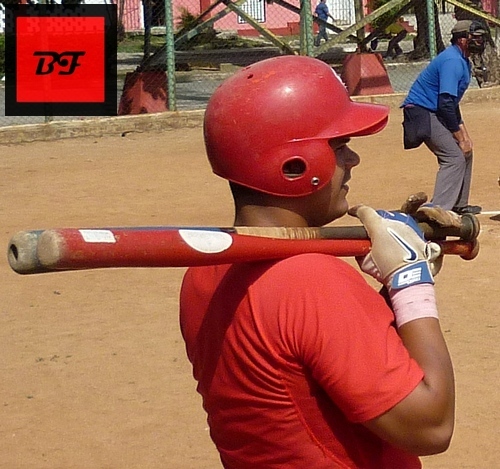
x=290 y=357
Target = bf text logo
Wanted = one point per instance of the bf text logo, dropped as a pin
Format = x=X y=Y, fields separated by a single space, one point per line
x=66 y=61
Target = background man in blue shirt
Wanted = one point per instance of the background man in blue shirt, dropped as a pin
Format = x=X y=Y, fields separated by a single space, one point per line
x=432 y=116
x=322 y=13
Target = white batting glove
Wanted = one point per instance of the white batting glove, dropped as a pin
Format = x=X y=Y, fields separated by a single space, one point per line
x=400 y=256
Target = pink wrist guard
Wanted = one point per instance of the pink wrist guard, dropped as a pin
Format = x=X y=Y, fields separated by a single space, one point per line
x=414 y=302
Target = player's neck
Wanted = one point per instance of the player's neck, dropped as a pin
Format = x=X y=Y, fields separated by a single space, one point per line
x=252 y=215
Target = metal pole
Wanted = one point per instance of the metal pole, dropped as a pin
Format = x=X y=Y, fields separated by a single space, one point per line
x=49 y=117
x=432 y=28
x=306 y=28
x=360 y=33
x=170 y=54
x=47 y=107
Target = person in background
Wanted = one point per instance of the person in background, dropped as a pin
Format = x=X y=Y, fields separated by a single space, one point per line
x=431 y=115
x=395 y=32
x=322 y=12
x=485 y=63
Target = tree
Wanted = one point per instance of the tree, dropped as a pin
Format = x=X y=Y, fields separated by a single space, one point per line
x=421 y=43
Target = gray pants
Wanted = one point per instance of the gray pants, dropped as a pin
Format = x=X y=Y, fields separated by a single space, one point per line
x=322 y=34
x=454 y=176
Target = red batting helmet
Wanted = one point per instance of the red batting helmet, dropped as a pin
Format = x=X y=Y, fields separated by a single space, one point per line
x=268 y=126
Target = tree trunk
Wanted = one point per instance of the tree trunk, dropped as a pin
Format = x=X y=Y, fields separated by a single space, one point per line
x=421 y=42
x=147 y=10
x=120 y=26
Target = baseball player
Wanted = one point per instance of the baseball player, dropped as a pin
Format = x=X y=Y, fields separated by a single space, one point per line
x=431 y=115
x=300 y=362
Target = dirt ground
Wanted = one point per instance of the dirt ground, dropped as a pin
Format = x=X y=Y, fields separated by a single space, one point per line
x=93 y=369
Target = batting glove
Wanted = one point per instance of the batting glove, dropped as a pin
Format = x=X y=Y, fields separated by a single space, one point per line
x=400 y=256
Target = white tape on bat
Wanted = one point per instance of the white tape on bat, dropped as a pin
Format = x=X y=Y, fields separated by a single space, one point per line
x=208 y=242
x=98 y=236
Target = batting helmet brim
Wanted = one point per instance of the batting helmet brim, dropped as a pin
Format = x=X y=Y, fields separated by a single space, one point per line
x=357 y=120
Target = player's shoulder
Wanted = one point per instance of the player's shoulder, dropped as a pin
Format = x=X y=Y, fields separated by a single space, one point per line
x=312 y=276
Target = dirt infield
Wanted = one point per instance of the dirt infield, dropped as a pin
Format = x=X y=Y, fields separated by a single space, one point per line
x=94 y=373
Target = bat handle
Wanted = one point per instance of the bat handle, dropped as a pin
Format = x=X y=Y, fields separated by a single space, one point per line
x=468 y=231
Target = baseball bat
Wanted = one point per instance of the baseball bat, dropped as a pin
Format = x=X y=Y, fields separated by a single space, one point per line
x=40 y=251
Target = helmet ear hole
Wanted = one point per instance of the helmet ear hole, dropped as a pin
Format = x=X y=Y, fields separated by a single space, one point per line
x=294 y=168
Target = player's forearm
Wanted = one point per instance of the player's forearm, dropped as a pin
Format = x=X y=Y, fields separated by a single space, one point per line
x=418 y=326
x=429 y=410
x=435 y=396
x=422 y=423
x=424 y=340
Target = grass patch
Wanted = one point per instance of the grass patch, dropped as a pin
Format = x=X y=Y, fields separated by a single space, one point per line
x=135 y=43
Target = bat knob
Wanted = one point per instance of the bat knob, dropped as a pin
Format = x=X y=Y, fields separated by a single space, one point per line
x=472 y=252
x=470 y=227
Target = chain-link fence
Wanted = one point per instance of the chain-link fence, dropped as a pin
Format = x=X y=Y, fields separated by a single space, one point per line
x=172 y=54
